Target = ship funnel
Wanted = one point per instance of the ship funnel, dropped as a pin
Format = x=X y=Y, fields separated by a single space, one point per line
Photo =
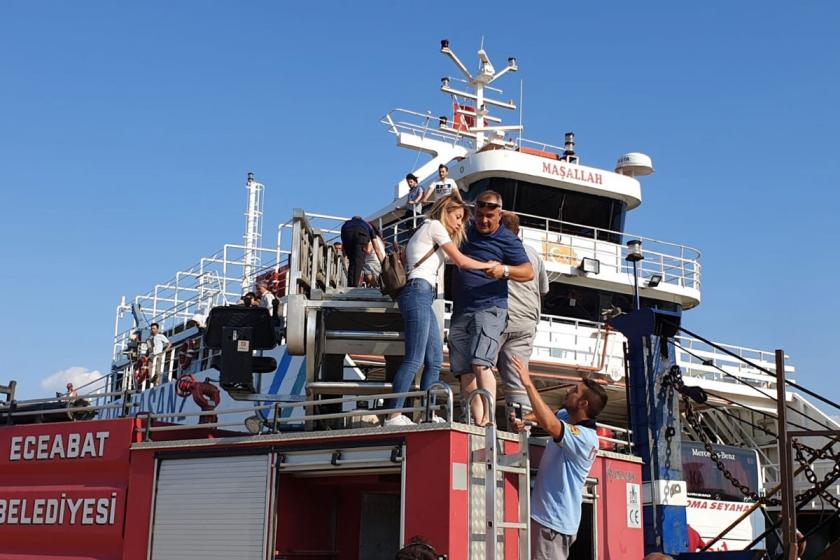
x=634 y=164
x=569 y=146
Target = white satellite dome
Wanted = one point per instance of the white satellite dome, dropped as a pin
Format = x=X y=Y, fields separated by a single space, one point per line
x=634 y=164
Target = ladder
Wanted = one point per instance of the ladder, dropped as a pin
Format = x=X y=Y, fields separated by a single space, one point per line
x=497 y=464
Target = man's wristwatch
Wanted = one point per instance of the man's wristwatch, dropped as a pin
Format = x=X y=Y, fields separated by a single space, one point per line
x=506 y=272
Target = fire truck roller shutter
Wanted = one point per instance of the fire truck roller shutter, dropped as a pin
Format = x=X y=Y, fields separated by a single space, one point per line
x=213 y=508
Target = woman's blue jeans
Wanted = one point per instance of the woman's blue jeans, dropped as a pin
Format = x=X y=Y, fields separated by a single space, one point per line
x=423 y=344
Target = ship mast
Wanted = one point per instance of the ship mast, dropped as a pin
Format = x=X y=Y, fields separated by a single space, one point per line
x=484 y=77
x=253 y=230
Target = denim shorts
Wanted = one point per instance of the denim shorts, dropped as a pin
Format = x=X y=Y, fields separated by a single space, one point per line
x=474 y=339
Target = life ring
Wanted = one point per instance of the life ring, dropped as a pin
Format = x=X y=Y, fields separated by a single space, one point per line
x=184 y=385
x=141 y=369
x=207 y=397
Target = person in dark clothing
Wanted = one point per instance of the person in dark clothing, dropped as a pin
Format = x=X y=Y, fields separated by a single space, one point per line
x=356 y=237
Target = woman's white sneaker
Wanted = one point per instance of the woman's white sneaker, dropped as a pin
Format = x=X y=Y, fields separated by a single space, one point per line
x=401 y=420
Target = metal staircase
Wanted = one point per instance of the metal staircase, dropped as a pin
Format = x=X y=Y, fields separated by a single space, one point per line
x=326 y=321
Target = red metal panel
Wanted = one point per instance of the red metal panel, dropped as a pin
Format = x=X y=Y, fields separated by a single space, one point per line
x=139 y=503
x=433 y=509
x=512 y=506
x=64 y=488
x=617 y=538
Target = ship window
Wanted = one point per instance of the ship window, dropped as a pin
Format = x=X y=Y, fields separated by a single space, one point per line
x=558 y=205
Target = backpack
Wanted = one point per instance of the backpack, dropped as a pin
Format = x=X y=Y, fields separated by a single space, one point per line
x=394 y=278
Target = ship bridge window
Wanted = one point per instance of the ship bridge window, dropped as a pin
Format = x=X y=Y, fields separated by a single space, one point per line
x=558 y=209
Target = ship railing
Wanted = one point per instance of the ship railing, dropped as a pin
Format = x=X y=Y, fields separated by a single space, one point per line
x=615 y=438
x=541 y=146
x=273 y=417
x=305 y=251
x=578 y=344
x=699 y=359
x=314 y=261
x=567 y=243
x=432 y=126
x=215 y=280
x=81 y=406
x=424 y=125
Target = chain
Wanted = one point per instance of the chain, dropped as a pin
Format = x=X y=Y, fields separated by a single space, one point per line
x=675 y=381
x=713 y=455
x=820 y=487
x=670 y=431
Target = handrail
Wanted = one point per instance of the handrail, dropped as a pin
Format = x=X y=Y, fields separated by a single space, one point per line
x=488 y=403
x=676 y=263
x=628 y=235
x=428 y=407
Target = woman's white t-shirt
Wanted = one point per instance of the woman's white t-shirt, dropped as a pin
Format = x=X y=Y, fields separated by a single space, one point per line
x=431 y=232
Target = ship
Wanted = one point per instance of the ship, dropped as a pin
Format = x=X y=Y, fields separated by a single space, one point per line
x=258 y=433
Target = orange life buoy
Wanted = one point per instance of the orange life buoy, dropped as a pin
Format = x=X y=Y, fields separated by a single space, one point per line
x=183 y=386
x=207 y=397
x=141 y=369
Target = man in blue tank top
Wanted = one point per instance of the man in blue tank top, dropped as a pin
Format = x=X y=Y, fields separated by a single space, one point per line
x=569 y=454
x=480 y=301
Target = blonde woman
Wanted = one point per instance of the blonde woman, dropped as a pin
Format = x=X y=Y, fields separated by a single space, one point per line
x=438 y=237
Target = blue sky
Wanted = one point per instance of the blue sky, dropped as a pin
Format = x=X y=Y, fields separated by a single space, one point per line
x=127 y=129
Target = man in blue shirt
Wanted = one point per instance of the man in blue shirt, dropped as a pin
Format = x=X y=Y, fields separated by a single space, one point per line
x=480 y=301
x=558 y=493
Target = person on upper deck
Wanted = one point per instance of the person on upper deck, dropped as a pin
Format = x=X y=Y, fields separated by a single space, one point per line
x=158 y=346
x=480 y=301
x=568 y=457
x=413 y=203
x=248 y=299
x=444 y=186
x=524 y=304
x=438 y=237
x=266 y=298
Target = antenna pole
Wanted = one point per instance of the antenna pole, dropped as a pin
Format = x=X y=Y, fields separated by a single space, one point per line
x=521 y=108
x=253 y=230
x=479 y=112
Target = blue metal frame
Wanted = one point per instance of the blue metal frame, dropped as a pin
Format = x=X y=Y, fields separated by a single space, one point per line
x=654 y=419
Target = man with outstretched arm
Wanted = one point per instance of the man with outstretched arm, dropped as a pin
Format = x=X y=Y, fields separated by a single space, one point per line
x=558 y=493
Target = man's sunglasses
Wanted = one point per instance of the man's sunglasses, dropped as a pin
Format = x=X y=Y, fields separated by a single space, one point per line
x=488 y=205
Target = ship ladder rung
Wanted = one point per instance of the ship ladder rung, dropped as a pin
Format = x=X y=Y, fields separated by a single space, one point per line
x=511 y=470
x=511 y=525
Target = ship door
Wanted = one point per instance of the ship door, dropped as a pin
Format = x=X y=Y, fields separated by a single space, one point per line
x=213 y=507
x=341 y=502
